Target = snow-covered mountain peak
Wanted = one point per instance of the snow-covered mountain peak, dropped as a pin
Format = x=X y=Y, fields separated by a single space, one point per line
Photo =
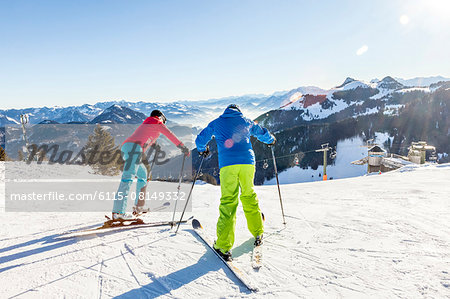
x=355 y=84
x=48 y=122
x=294 y=97
x=389 y=83
x=422 y=81
x=347 y=80
x=119 y=115
x=113 y=107
x=349 y=84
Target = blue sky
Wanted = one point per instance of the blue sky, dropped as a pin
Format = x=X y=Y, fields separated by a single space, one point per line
x=75 y=52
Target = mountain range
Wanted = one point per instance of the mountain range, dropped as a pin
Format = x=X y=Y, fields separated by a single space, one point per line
x=306 y=119
x=302 y=118
x=198 y=113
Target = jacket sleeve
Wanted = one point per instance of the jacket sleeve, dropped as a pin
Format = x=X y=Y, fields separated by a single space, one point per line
x=204 y=137
x=168 y=133
x=262 y=134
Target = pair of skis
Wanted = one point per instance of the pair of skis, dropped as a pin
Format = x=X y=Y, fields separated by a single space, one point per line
x=241 y=276
x=123 y=224
x=198 y=229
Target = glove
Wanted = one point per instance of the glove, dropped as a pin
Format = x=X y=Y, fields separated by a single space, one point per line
x=273 y=142
x=205 y=153
x=156 y=147
x=184 y=150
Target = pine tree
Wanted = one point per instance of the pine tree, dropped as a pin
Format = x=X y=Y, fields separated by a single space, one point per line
x=102 y=154
x=20 y=155
x=3 y=155
x=206 y=177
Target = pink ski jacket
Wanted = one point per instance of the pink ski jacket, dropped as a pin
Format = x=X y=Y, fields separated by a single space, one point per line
x=147 y=133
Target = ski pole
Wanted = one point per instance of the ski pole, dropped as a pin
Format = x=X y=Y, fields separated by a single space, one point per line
x=278 y=184
x=190 y=192
x=178 y=189
x=149 y=177
x=141 y=202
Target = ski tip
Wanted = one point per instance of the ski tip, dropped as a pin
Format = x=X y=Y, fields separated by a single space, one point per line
x=196 y=224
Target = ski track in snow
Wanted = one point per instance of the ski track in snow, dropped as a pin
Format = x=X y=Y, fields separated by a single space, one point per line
x=374 y=236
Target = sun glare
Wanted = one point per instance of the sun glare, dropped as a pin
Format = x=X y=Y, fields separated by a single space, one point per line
x=431 y=11
x=440 y=8
x=404 y=20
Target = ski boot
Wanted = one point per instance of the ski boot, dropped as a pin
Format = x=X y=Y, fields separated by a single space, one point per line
x=118 y=217
x=139 y=210
x=258 y=240
x=226 y=256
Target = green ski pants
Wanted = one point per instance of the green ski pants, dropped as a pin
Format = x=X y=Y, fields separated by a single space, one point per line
x=231 y=178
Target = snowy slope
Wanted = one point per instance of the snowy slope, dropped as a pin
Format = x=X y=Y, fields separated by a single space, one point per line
x=322 y=104
x=422 y=81
x=375 y=236
x=348 y=150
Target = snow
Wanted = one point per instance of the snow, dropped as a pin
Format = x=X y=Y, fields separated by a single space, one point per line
x=374 y=236
x=316 y=111
x=354 y=84
x=422 y=89
x=293 y=98
x=351 y=83
x=381 y=137
x=422 y=81
x=396 y=161
x=347 y=150
x=12 y=120
x=383 y=93
x=312 y=90
x=367 y=112
x=392 y=109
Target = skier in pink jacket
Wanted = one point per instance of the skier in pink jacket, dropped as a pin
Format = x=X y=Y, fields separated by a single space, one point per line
x=132 y=149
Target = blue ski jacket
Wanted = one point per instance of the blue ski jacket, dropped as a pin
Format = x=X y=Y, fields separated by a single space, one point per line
x=232 y=132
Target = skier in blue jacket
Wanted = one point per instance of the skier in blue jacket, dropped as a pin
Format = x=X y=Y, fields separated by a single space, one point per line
x=232 y=132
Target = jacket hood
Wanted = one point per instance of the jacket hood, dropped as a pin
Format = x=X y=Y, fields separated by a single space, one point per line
x=230 y=112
